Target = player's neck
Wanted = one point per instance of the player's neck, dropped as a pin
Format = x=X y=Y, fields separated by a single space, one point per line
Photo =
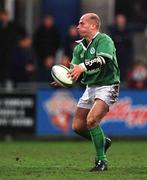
x=91 y=36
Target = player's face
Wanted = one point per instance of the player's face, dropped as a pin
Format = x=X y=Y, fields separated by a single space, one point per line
x=84 y=27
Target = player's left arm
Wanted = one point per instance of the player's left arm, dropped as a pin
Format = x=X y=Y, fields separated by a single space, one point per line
x=94 y=63
x=104 y=54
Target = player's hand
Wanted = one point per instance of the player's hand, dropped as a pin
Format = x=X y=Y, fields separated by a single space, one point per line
x=54 y=83
x=76 y=71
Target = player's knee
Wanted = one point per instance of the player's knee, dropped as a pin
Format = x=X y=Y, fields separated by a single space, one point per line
x=76 y=127
x=92 y=121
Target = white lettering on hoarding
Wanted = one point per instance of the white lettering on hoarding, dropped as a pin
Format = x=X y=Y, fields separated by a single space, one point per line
x=124 y=111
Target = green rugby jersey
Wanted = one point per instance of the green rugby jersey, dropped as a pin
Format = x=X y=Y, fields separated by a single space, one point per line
x=101 y=45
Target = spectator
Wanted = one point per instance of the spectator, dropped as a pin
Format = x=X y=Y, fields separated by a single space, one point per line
x=22 y=61
x=45 y=73
x=46 y=43
x=70 y=41
x=1 y=15
x=9 y=34
x=121 y=34
x=145 y=34
x=137 y=77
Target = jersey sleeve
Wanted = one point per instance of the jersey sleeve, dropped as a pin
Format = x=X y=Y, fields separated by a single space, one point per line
x=105 y=48
x=75 y=57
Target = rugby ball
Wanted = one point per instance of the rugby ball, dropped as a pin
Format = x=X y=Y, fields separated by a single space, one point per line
x=59 y=73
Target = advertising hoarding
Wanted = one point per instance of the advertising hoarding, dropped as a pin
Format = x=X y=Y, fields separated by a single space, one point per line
x=17 y=113
x=56 y=107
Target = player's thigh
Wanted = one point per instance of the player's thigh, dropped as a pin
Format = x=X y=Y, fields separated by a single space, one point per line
x=97 y=112
x=80 y=119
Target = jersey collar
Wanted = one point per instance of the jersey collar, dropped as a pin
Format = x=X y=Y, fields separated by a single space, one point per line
x=81 y=41
x=95 y=35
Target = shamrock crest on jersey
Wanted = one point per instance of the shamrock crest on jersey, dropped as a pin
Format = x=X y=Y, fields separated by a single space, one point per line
x=92 y=50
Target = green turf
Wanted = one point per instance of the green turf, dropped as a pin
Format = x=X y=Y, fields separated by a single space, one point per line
x=71 y=161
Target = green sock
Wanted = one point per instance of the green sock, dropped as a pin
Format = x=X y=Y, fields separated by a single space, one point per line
x=85 y=134
x=98 y=140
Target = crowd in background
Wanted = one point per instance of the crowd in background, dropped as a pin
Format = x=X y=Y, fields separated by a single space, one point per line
x=133 y=71
x=26 y=58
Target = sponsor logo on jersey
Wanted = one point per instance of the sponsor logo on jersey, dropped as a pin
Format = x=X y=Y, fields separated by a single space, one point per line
x=92 y=71
x=90 y=63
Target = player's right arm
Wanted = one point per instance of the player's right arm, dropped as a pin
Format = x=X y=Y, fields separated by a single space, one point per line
x=76 y=56
x=76 y=68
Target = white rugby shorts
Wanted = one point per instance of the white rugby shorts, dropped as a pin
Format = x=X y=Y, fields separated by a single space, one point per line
x=108 y=94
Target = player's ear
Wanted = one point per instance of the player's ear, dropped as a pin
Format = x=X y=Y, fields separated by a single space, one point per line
x=92 y=26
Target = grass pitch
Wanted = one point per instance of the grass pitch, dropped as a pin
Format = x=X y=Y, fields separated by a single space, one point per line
x=71 y=161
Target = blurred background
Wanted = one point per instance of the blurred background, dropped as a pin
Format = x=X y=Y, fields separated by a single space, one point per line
x=36 y=34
